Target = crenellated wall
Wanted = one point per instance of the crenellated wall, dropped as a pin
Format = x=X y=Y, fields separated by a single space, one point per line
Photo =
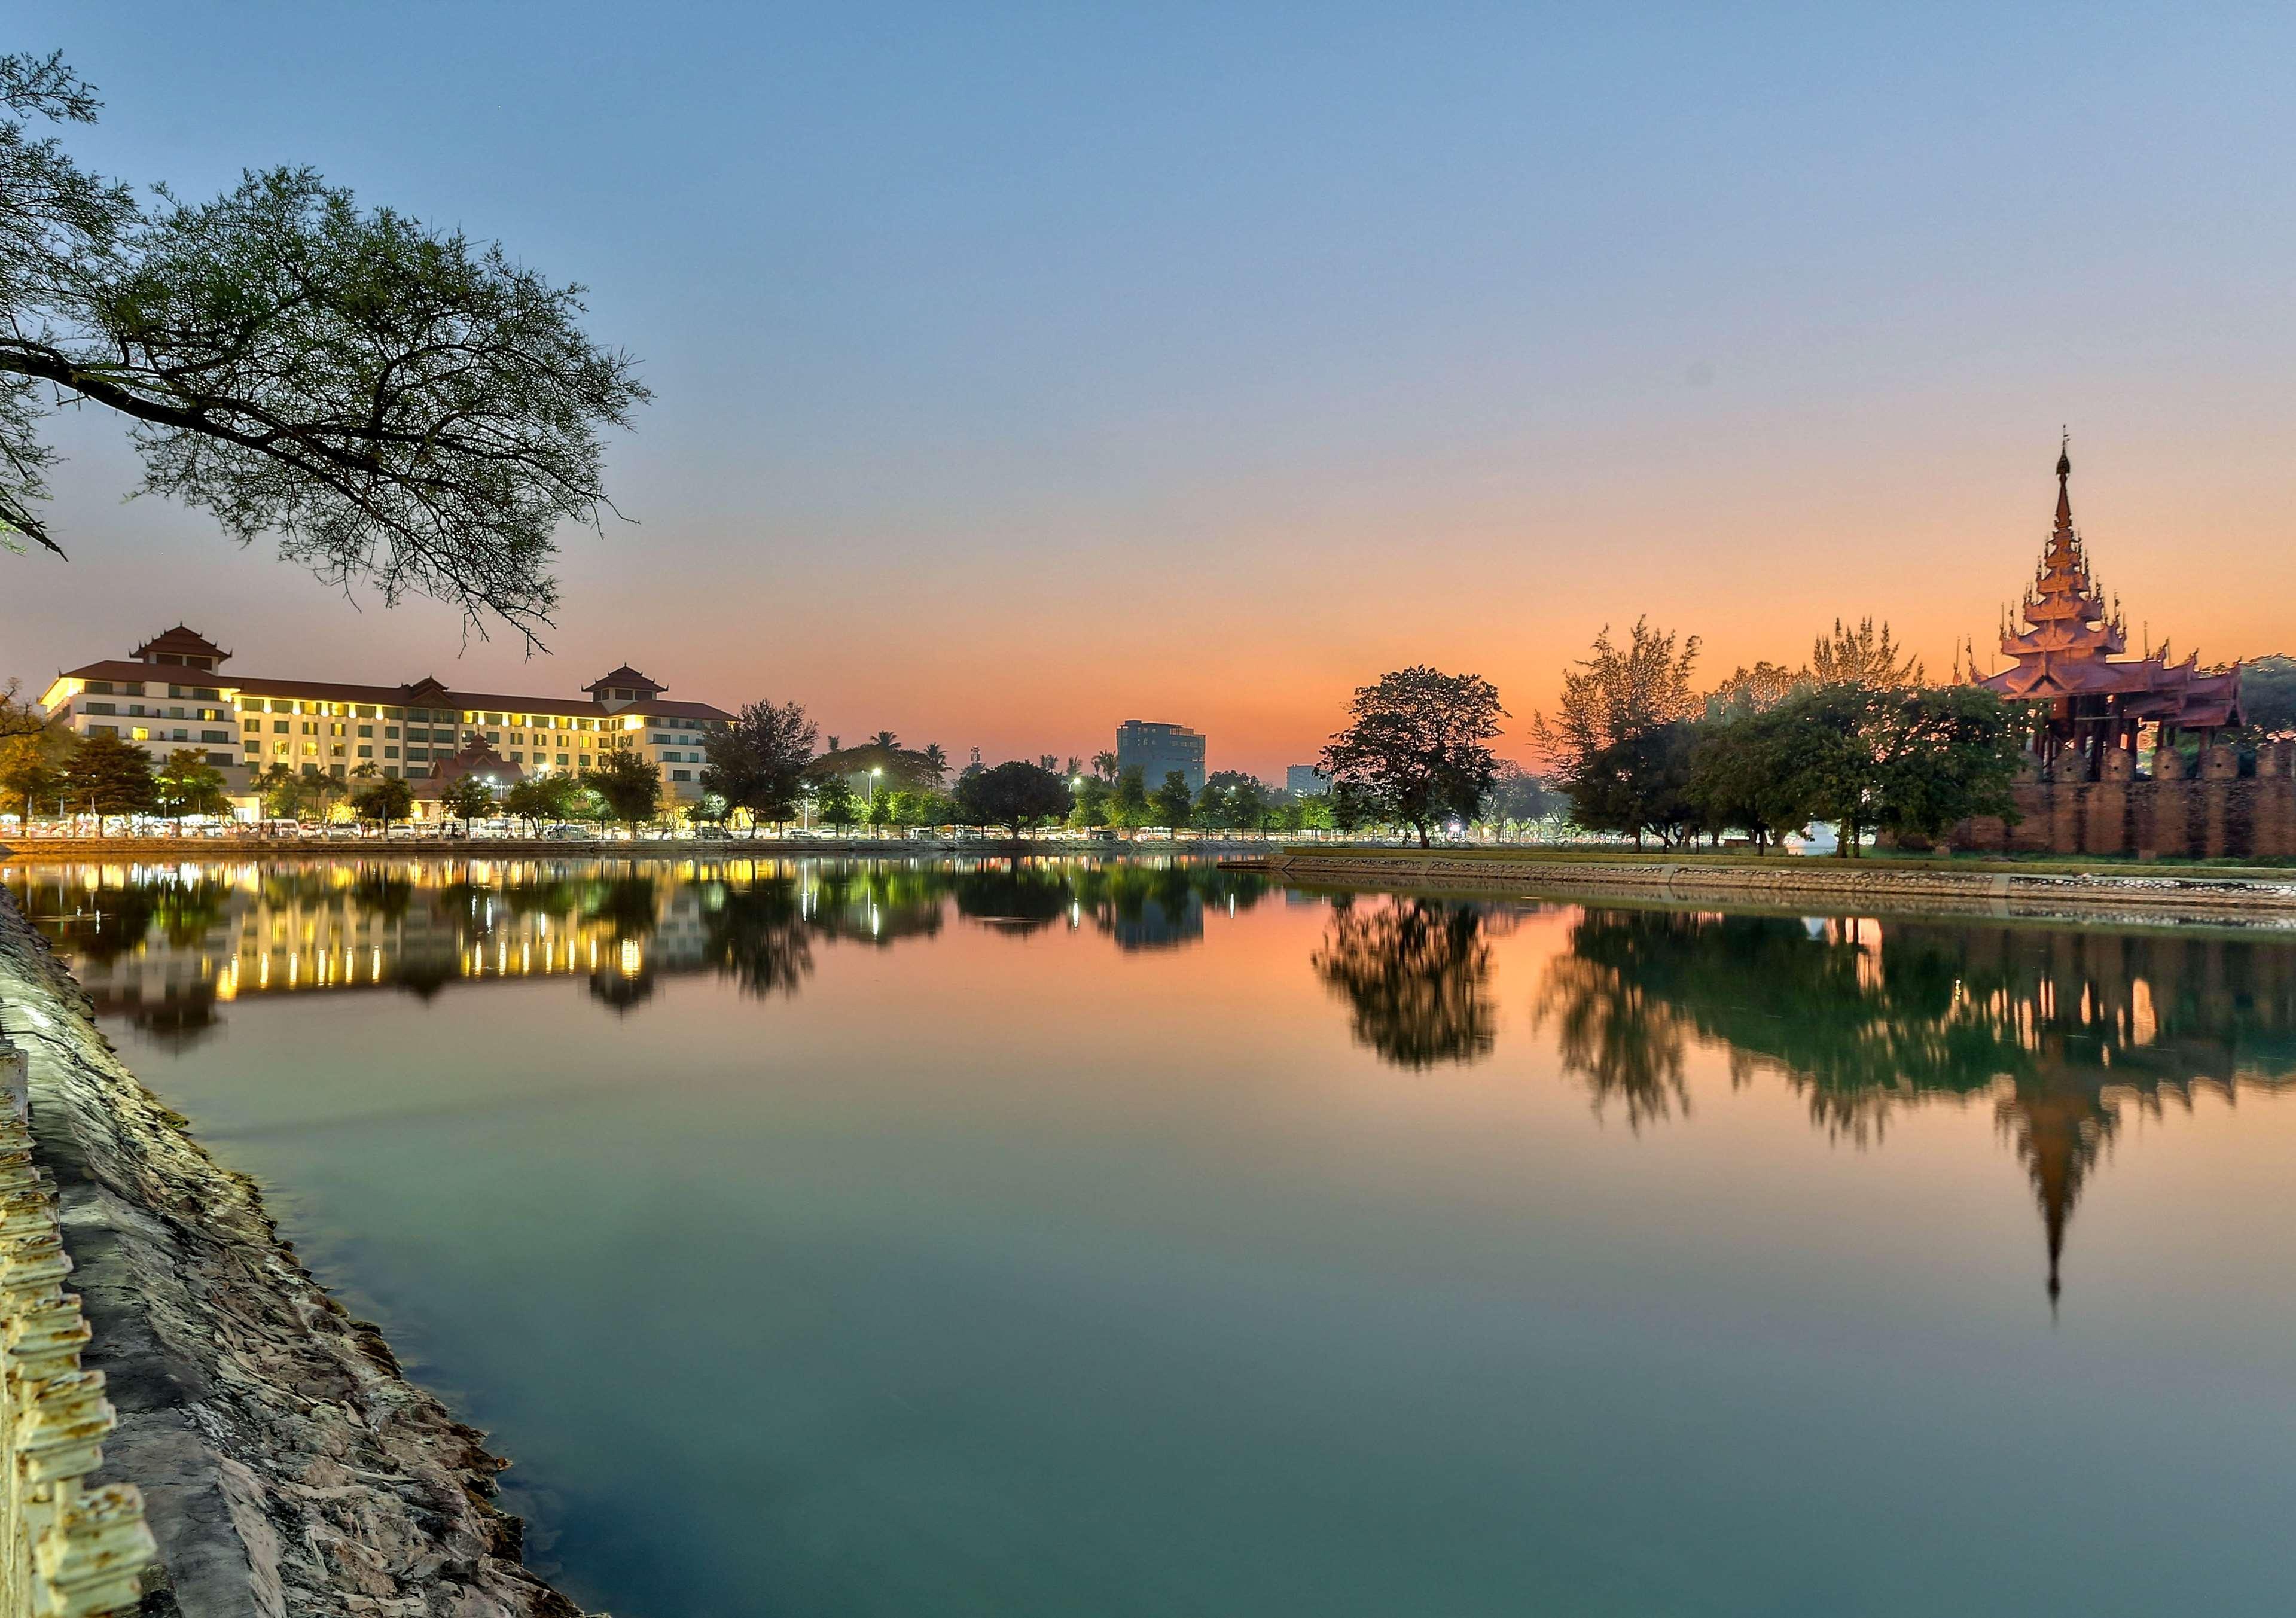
x=2221 y=814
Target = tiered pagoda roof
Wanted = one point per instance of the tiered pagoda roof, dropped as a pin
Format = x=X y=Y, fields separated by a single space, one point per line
x=2066 y=648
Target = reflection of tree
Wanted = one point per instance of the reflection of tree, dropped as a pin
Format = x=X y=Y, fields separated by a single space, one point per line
x=1417 y=975
x=757 y=936
x=1613 y=1032
x=1866 y=1017
x=1012 y=896
x=622 y=991
x=879 y=904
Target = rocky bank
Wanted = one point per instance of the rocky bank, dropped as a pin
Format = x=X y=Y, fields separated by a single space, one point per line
x=288 y=1468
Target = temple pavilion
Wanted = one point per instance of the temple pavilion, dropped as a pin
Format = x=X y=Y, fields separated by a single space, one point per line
x=2065 y=657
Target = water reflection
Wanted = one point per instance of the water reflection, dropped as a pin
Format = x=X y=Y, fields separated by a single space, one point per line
x=1416 y=976
x=167 y=946
x=2064 y=1028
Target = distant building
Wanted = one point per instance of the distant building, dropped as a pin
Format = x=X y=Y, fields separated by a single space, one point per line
x=1306 y=781
x=172 y=693
x=1156 y=749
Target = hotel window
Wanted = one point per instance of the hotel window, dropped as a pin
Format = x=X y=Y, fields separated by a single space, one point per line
x=100 y=707
x=391 y=752
x=391 y=733
x=139 y=734
x=310 y=729
x=681 y=774
x=366 y=730
x=103 y=687
x=311 y=749
x=366 y=711
x=562 y=760
x=366 y=753
x=103 y=730
x=335 y=730
x=517 y=757
x=279 y=728
x=215 y=736
x=390 y=772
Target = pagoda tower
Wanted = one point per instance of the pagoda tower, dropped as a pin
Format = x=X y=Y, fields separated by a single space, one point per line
x=2065 y=657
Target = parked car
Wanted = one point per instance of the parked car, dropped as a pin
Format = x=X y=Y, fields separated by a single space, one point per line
x=570 y=833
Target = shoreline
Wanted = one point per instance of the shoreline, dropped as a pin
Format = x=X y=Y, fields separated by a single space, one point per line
x=287 y=1465
x=2265 y=899
x=174 y=850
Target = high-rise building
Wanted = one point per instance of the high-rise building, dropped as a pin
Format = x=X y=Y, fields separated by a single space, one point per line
x=172 y=693
x=1156 y=750
x=1306 y=781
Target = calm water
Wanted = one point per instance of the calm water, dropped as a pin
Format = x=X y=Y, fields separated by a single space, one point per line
x=833 y=1239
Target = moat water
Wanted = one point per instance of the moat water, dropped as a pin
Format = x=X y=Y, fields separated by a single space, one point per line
x=1094 y=1238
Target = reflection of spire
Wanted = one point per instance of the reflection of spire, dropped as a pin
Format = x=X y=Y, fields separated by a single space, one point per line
x=2057 y=1135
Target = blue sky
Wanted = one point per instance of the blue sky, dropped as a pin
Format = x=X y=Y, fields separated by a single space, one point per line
x=1020 y=370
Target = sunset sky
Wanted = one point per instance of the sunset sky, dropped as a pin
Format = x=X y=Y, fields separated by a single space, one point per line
x=1021 y=371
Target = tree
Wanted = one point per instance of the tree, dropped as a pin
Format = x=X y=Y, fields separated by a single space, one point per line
x=1211 y=808
x=630 y=786
x=1518 y=798
x=2267 y=692
x=1417 y=746
x=833 y=802
x=936 y=759
x=1612 y=698
x=540 y=798
x=1862 y=656
x=1017 y=795
x=885 y=739
x=1104 y=765
x=1091 y=807
x=1170 y=804
x=398 y=406
x=467 y=797
x=284 y=795
x=34 y=747
x=1642 y=785
x=106 y=775
x=1129 y=808
x=1750 y=771
x=1753 y=690
x=188 y=785
x=759 y=762
x=384 y=798
x=879 y=812
x=1911 y=762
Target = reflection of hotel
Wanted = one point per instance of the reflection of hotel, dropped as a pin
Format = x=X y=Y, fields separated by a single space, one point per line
x=172 y=694
x=165 y=954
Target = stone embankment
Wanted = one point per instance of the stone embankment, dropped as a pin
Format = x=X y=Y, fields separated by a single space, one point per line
x=2267 y=899
x=288 y=1469
x=62 y=850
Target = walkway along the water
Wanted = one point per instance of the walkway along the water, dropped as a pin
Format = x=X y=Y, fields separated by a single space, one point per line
x=287 y=1469
x=2160 y=894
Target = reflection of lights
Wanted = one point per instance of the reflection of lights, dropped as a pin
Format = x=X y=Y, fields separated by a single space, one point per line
x=374 y=966
x=631 y=958
x=227 y=985
x=294 y=967
x=263 y=973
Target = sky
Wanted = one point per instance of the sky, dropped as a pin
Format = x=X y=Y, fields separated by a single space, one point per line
x=1022 y=370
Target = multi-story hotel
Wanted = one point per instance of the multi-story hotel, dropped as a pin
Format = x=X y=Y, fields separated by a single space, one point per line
x=172 y=693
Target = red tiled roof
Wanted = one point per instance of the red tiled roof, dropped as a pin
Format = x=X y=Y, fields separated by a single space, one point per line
x=392 y=696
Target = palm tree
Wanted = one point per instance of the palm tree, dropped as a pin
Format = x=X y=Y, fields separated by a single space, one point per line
x=885 y=739
x=1104 y=765
x=937 y=757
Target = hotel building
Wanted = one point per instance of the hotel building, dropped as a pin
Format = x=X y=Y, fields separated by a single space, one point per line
x=172 y=693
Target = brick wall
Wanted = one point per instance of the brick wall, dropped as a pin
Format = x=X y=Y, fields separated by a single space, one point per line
x=2219 y=815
